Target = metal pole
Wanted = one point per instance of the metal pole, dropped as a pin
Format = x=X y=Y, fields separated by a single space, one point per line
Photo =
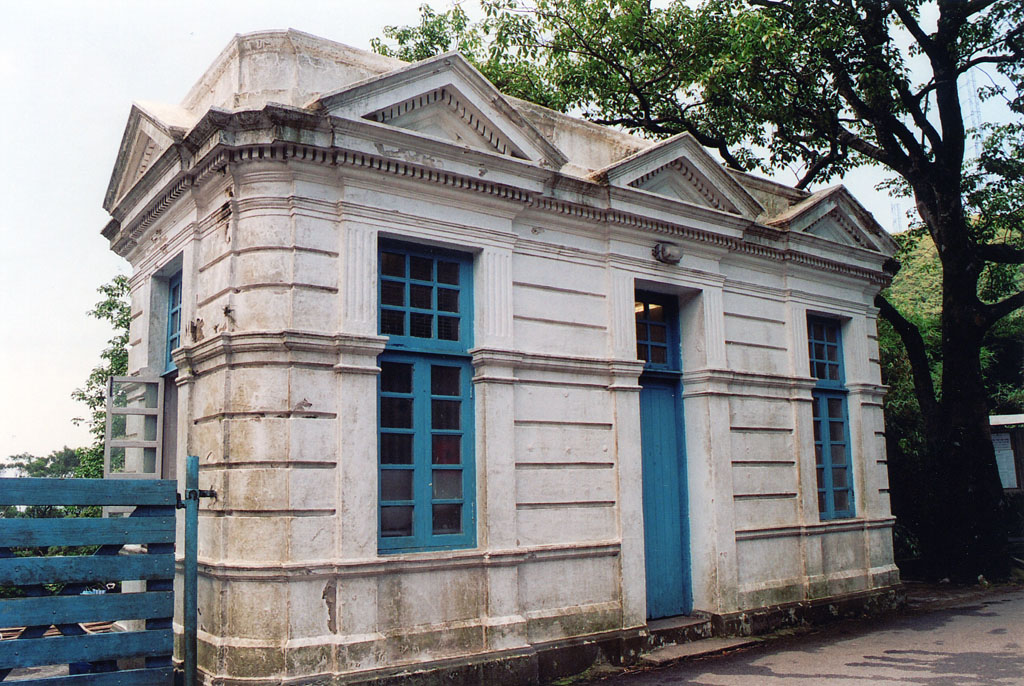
x=191 y=600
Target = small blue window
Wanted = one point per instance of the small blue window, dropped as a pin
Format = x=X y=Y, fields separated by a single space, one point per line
x=427 y=481
x=831 y=420
x=173 y=320
x=657 y=332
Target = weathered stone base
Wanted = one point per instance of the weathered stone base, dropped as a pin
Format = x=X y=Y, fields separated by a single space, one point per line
x=767 y=619
x=538 y=664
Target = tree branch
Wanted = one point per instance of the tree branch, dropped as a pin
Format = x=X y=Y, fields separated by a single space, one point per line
x=908 y=19
x=996 y=311
x=924 y=388
x=1001 y=252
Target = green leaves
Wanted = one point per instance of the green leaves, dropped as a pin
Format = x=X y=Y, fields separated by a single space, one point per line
x=115 y=309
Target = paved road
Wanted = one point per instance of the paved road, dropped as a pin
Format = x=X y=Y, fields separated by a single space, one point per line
x=978 y=644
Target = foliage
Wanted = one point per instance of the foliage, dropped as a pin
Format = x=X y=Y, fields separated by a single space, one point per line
x=819 y=87
x=59 y=464
x=114 y=308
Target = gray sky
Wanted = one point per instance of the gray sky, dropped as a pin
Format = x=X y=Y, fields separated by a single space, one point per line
x=69 y=71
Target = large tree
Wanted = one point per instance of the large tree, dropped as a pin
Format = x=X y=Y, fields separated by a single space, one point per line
x=817 y=87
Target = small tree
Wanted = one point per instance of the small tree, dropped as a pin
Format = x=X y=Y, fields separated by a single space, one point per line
x=115 y=309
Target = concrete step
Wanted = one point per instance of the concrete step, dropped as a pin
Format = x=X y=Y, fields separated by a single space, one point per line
x=670 y=654
x=672 y=630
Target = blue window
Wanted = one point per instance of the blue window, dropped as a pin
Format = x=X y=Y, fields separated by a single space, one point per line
x=425 y=403
x=656 y=331
x=173 y=320
x=831 y=420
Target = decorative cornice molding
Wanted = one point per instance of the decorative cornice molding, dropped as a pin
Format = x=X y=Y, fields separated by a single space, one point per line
x=223 y=155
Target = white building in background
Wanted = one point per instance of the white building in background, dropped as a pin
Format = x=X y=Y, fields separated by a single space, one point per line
x=477 y=382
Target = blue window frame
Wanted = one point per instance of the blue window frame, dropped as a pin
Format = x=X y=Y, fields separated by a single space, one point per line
x=427 y=481
x=657 y=331
x=831 y=419
x=173 y=320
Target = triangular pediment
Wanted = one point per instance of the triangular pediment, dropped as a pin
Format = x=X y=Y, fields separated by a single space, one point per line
x=447 y=99
x=680 y=169
x=834 y=215
x=447 y=114
x=146 y=137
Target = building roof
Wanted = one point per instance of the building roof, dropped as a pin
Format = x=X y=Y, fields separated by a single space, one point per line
x=445 y=100
x=1006 y=419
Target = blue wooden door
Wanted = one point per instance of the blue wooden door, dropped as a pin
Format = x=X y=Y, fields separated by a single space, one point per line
x=666 y=530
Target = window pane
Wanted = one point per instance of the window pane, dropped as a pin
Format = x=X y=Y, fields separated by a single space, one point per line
x=135 y=427
x=641 y=352
x=641 y=332
x=821 y=501
x=392 y=264
x=396 y=448
x=149 y=460
x=833 y=372
x=817 y=430
x=117 y=459
x=836 y=432
x=421 y=296
x=421 y=268
x=839 y=454
x=396 y=484
x=815 y=408
x=448 y=272
x=447 y=519
x=656 y=313
x=444 y=414
x=819 y=351
x=831 y=333
x=395 y=377
x=659 y=334
x=392 y=322
x=659 y=355
x=821 y=477
x=448 y=328
x=819 y=370
x=817 y=454
x=421 y=325
x=835 y=408
x=833 y=353
x=842 y=500
x=396 y=521
x=396 y=413
x=134 y=394
x=447 y=484
x=447 y=300
x=447 y=449
x=839 y=478
x=392 y=293
x=444 y=380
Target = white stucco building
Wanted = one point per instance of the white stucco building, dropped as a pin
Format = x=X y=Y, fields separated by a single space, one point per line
x=476 y=381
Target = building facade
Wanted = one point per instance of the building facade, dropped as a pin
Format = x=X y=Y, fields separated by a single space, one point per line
x=474 y=380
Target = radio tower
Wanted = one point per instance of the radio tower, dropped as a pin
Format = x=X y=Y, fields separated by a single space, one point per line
x=974 y=109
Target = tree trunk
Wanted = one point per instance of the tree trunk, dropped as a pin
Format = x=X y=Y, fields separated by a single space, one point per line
x=967 y=532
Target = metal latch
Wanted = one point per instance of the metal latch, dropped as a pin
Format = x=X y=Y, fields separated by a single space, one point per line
x=193 y=494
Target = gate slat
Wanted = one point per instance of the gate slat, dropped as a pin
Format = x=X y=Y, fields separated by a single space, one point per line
x=34 y=491
x=88 y=648
x=20 y=571
x=86 y=531
x=161 y=676
x=73 y=609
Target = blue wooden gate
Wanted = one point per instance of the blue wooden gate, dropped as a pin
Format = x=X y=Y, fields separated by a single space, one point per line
x=54 y=591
